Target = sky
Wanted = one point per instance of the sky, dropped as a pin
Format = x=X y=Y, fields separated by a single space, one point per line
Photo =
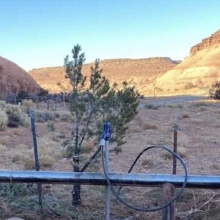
x=40 y=33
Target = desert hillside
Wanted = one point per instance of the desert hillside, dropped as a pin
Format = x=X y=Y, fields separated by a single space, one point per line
x=14 y=79
x=139 y=72
x=197 y=72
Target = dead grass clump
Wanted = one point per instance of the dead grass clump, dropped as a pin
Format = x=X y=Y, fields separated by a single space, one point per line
x=48 y=152
x=134 y=128
x=181 y=151
x=16 y=158
x=3 y=141
x=148 y=126
x=55 y=137
x=22 y=147
x=45 y=161
x=185 y=115
x=3 y=148
x=151 y=106
x=17 y=132
x=87 y=147
x=147 y=162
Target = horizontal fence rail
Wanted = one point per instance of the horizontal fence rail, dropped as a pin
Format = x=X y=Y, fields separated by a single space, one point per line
x=144 y=180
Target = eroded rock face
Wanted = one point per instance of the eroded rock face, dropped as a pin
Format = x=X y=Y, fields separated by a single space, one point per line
x=213 y=40
x=197 y=72
x=14 y=79
x=137 y=72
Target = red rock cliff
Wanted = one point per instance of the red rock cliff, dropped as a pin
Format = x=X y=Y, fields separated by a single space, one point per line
x=214 y=39
x=14 y=79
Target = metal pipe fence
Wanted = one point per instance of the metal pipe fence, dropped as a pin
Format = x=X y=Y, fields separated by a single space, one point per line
x=84 y=178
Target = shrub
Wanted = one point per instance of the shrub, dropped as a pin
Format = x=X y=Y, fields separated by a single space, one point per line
x=26 y=104
x=185 y=115
x=65 y=116
x=214 y=92
x=3 y=120
x=16 y=116
x=2 y=104
x=44 y=116
x=189 y=85
x=50 y=126
x=46 y=161
x=16 y=158
x=21 y=95
x=117 y=149
x=151 y=106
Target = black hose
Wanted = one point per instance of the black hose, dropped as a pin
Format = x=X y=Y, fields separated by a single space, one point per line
x=140 y=208
x=91 y=159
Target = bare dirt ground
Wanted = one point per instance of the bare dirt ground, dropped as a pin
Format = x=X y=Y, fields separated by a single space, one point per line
x=198 y=144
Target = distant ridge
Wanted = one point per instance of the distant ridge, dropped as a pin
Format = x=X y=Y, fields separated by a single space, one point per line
x=138 y=72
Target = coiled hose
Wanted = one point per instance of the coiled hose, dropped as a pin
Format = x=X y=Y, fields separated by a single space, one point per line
x=116 y=194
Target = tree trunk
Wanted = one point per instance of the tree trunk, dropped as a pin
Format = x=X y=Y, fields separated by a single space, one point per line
x=76 y=198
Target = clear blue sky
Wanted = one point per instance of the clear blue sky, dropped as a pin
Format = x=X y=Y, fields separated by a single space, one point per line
x=40 y=33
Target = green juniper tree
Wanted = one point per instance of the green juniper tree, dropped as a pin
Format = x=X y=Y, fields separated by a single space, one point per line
x=92 y=103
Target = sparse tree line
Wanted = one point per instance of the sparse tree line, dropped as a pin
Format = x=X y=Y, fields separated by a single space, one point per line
x=41 y=95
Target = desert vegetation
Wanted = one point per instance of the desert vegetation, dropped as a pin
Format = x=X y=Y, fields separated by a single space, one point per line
x=154 y=126
x=68 y=133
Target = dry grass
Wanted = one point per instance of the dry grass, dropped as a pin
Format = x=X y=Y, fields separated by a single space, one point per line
x=148 y=126
x=181 y=151
x=198 y=144
x=3 y=141
x=140 y=125
x=46 y=161
x=87 y=147
x=134 y=128
x=147 y=162
x=17 y=132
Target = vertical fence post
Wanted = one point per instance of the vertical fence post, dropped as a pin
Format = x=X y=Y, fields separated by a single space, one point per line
x=37 y=165
x=169 y=189
x=107 y=198
x=168 y=193
x=105 y=141
x=175 y=128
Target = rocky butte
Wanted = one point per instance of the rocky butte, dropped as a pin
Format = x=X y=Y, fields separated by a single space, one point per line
x=14 y=79
x=138 y=72
x=197 y=72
